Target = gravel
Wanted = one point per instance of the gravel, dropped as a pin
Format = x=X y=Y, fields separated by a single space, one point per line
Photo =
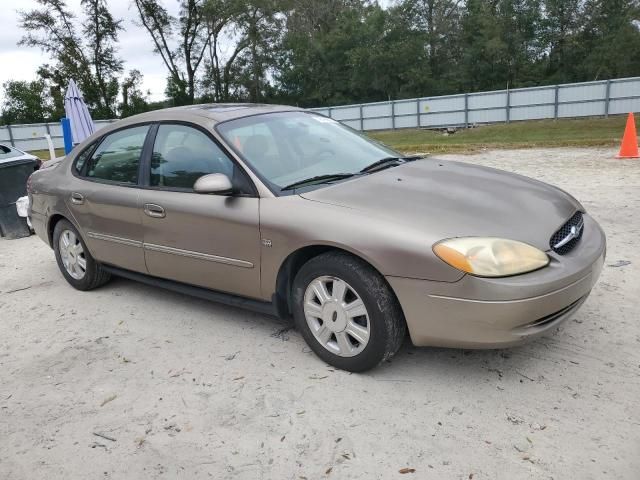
x=129 y=381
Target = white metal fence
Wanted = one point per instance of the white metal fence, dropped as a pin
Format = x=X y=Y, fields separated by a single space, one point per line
x=32 y=136
x=602 y=98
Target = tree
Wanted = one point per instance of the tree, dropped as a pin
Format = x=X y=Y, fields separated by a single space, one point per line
x=313 y=63
x=332 y=52
x=221 y=71
x=611 y=39
x=500 y=44
x=343 y=50
x=438 y=23
x=521 y=25
x=377 y=71
x=188 y=31
x=560 y=26
x=101 y=34
x=134 y=100
x=25 y=102
x=92 y=62
x=55 y=85
x=259 y=27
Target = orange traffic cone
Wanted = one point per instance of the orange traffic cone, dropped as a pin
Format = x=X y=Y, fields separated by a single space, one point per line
x=629 y=147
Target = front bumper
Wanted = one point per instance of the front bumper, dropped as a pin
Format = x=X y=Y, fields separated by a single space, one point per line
x=479 y=312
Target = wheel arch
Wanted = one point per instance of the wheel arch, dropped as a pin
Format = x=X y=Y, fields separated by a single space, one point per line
x=53 y=221
x=292 y=265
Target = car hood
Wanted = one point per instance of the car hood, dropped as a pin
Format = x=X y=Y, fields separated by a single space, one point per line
x=445 y=199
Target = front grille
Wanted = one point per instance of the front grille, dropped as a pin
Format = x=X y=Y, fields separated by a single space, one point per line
x=565 y=239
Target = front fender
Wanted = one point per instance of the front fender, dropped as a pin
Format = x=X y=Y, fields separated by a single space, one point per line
x=288 y=224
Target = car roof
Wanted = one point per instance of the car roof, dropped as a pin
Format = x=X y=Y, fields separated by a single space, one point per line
x=218 y=112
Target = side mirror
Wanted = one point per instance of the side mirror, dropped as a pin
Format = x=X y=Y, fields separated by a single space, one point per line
x=216 y=183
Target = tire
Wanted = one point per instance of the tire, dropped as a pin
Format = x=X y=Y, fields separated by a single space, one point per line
x=87 y=278
x=346 y=346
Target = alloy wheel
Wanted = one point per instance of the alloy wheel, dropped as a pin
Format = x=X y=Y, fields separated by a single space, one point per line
x=337 y=316
x=72 y=254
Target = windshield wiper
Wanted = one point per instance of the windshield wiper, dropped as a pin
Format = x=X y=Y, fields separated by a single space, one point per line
x=318 y=179
x=388 y=162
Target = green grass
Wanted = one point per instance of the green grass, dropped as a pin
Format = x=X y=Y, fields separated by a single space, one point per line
x=587 y=132
x=44 y=154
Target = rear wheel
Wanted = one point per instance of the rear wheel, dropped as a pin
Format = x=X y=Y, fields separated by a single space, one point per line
x=74 y=260
x=347 y=312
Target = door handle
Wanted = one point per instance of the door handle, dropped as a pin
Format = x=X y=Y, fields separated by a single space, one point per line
x=153 y=210
x=77 y=198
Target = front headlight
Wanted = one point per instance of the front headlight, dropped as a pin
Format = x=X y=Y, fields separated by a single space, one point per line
x=490 y=257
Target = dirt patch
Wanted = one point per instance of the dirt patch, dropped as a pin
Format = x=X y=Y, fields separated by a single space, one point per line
x=132 y=382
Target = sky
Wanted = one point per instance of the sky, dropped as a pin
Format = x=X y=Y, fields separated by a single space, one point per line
x=21 y=63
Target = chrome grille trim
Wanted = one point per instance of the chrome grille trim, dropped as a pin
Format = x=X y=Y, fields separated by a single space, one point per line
x=567 y=237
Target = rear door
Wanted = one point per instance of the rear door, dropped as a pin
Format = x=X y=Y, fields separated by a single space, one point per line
x=212 y=241
x=104 y=198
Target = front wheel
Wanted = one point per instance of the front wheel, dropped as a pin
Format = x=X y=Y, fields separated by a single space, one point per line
x=347 y=312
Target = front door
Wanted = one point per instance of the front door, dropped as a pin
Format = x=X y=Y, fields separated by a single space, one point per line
x=104 y=198
x=212 y=241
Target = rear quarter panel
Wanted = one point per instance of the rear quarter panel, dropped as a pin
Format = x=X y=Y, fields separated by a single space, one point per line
x=50 y=188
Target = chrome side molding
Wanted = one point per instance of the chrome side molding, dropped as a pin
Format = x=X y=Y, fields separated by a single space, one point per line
x=200 y=256
x=111 y=238
x=171 y=250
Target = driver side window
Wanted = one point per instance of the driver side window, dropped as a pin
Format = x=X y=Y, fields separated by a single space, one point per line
x=182 y=154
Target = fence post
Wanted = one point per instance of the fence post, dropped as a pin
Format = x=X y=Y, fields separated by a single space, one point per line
x=46 y=125
x=11 y=141
x=555 y=102
x=330 y=110
x=361 y=119
x=393 y=114
x=508 y=110
x=418 y=112
x=466 y=110
x=607 y=99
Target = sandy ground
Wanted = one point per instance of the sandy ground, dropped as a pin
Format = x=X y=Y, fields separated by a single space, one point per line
x=189 y=389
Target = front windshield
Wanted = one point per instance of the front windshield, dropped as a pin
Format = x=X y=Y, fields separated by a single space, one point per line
x=284 y=148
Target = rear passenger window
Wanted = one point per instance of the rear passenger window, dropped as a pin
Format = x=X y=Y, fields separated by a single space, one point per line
x=118 y=156
x=183 y=154
x=82 y=158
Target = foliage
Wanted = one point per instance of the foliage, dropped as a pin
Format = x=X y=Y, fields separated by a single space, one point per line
x=330 y=52
x=134 y=100
x=610 y=38
x=343 y=51
x=87 y=56
x=100 y=32
x=219 y=82
x=23 y=102
x=189 y=32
